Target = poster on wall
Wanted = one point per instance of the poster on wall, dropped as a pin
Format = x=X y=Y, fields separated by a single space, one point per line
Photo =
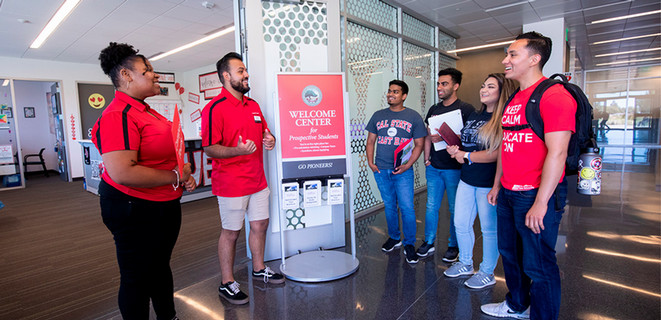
x=311 y=120
x=92 y=99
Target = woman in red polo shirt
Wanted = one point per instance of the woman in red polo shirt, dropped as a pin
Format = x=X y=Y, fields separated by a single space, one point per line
x=140 y=187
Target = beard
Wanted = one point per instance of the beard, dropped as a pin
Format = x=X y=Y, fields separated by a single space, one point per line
x=238 y=86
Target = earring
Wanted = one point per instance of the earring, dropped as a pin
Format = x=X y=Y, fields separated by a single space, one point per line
x=127 y=85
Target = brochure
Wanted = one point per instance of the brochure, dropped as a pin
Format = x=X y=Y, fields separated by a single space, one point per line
x=453 y=120
x=403 y=152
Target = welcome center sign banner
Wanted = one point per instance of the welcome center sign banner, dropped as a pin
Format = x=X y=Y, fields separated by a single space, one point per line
x=312 y=124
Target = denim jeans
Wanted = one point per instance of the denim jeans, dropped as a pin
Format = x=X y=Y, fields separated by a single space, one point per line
x=531 y=270
x=472 y=201
x=438 y=181
x=397 y=190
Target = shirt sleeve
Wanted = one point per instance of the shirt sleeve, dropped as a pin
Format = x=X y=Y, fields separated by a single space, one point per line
x=558 y=110
x=212 y=129
x=420 y=130
x=371 y=125
x=116 y=131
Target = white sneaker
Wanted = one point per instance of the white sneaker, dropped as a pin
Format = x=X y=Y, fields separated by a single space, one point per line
x=502 y=310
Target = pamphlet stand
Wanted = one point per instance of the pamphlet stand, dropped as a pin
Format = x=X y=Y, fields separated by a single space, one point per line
x=321 y=265
x=312 y=122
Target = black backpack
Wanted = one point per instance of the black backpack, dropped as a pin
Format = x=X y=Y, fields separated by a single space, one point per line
x=581 y=140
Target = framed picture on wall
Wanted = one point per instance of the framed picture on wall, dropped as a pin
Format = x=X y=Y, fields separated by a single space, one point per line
x=209 y=81
x=7 y=111
x=29 y=112
x=165 y=77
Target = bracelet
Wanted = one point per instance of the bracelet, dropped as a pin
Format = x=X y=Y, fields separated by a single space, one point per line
x=469 y=159
x=176 y=185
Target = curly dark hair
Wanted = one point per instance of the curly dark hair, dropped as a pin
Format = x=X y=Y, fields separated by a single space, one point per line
x=117 y=56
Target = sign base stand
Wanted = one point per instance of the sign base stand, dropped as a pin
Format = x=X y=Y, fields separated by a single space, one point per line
x=319 y=266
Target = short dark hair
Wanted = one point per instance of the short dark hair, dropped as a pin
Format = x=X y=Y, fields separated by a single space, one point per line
x=223 y=65
x=117 y=56
x=402 y=84
x=538 y=44
x=453 y=73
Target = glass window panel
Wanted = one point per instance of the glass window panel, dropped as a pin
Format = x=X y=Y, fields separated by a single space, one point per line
x=646 y=71
x=418 y=30
x=418 y=68
x=613 y=74
x=374 y=11
x=371 y=64
x=609 y=100
x=645 y=108
x=445 y=42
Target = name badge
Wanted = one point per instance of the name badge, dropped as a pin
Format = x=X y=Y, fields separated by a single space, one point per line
x=258 y=119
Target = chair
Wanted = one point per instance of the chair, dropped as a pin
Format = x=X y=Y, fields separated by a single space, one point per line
x=41 y=161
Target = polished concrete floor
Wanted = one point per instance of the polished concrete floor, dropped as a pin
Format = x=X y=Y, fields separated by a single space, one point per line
x=608 y=251
x=57 y=260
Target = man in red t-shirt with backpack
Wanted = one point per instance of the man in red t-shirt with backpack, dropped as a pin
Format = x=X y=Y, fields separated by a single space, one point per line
x=529 y=170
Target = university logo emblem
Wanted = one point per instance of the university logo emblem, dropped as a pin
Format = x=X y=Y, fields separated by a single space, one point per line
x=311 y=95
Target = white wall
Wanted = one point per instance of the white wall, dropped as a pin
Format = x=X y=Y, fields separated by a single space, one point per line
x=35 y=133
x=68 y=74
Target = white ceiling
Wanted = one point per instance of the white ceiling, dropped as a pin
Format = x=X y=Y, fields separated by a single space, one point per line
x=476 y=24
x=152 y=26
x=155 y=26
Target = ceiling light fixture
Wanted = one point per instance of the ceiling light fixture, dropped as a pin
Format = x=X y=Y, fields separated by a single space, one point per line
x=194 y=43
x=625 y=52
x=630 y=61
x=481 y=47
x=626 y=17
x=59 y=16
x=628 y=38
x=508 y=5
x=5 y=83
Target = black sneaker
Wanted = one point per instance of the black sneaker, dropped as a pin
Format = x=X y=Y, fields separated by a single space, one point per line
x=391 y=244
x=268 y=275
x=231 y=292
x=409 y=252
x=451 y=254
x=425 y=249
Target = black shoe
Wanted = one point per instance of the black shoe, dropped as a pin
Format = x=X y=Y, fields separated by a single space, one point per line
x=391 y=244
x=425 y=249
x=409 y=252
x=269 y=276
x=231 y=292
x=451 y=254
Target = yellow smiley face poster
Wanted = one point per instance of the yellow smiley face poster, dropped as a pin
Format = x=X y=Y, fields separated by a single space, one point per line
x=96 y=101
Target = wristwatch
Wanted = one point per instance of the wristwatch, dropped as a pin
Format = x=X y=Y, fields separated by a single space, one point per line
x=467 y=156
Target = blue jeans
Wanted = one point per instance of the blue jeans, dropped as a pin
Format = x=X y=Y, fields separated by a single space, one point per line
x=472 y=201
x=438 y=181
x=397 y=190
x=531 y=270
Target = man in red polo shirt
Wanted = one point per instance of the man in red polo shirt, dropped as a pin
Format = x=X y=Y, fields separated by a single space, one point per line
x=233 y=133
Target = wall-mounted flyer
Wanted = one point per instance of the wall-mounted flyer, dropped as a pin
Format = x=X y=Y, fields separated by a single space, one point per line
x=312 y=193
x=290 y=196
x=335 y=191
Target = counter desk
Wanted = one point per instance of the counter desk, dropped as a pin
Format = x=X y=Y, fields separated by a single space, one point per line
x=200 y=166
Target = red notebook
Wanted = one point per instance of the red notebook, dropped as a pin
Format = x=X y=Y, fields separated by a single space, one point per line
x=449 y=136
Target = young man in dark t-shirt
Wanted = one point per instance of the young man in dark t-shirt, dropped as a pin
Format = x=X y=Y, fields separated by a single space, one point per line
x=442 y=172
x=389 y=129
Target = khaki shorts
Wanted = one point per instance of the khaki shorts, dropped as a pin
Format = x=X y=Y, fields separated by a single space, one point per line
x=234 y=209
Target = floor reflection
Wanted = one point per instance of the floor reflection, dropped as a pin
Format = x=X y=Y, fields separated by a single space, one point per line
x=609 y=251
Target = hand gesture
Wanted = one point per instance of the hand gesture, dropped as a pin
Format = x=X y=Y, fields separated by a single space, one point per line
x=187 y=179
x=374 y=167
x=268 y=141
x=401 y=169
x=492 y=196
x=535 y=217
x=247 y=147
